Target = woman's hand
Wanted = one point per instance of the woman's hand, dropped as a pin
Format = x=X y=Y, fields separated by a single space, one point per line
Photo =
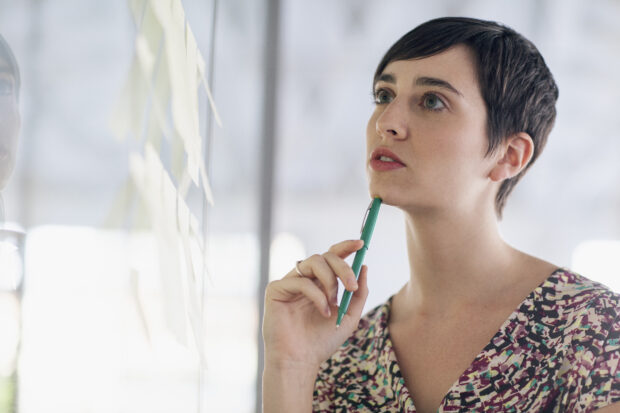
x=299 y=328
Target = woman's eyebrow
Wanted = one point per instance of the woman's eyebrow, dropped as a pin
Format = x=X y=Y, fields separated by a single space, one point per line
x=385 y=77
x=433 y=81
x=421 y=81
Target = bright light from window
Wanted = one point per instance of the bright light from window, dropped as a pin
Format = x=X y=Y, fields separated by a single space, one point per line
x=286 y=249
x=598 y=260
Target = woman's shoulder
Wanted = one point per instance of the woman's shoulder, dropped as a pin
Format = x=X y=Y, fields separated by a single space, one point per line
x=568 y=298
x=591 y=311
x=572 y=291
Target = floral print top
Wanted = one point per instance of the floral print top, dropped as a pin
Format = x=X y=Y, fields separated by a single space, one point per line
x=557 y=352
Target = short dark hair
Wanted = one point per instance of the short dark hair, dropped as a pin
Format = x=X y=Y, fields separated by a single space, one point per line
x=515 y=83
x=7 y=54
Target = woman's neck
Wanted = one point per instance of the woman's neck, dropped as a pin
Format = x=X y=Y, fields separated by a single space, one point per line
x=456 y=261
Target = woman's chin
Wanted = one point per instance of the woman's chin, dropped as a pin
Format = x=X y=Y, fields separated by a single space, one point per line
x=386 y=199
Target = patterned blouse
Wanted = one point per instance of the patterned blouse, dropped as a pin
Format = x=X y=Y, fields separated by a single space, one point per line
x=558 y=351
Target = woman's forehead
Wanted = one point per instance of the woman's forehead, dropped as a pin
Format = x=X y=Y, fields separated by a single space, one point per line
x=454 y=65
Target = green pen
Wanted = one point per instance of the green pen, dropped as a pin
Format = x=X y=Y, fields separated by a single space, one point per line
x=368 y=226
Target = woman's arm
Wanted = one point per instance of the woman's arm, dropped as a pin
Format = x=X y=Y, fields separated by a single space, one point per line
x=288 y=388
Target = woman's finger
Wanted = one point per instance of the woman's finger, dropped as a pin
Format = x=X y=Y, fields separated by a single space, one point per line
x=345 y=248
x=290 y=289
x=318 y=270
x=325 y=269
x=358 y=299
x=342 y=249
x=322 y=270
x=304 y=268
x=342 y=270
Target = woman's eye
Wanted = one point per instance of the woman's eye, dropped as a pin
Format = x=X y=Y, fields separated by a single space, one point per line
x=382 y=96
x=431 y=101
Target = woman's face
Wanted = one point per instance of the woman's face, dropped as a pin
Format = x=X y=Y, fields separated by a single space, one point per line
x=429 y=114
x=9 y=121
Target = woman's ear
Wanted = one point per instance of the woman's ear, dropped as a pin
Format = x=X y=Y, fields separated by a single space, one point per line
x=512 y=157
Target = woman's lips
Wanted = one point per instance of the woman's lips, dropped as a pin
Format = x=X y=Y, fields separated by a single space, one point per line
x=382 y=159
x=379 y=165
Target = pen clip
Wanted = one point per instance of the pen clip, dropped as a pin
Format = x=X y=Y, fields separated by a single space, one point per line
x=365 y=217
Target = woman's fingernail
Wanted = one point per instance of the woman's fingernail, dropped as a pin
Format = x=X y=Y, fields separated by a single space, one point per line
x=353 y=284
x=328 y=311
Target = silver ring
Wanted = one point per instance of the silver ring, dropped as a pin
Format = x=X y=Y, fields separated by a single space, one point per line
x=298 y=270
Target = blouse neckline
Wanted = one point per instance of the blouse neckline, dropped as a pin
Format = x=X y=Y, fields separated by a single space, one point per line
x=399 y=386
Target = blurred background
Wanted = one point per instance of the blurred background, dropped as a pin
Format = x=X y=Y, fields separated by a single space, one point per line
x=82 y=342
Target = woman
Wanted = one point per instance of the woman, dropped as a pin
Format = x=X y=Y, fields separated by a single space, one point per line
x=463 y=108
x=10 y=121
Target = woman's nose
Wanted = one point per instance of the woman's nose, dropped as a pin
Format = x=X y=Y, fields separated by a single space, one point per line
x=391 y=123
